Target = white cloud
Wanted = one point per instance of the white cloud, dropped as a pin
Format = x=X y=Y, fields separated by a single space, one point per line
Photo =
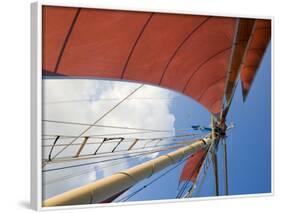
x=138 y=113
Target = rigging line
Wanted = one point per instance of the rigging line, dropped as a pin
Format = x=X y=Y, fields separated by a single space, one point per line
x=157 y=144
x=88 y=170
x=150 y=141
x=119 y=142
x=189 y=194
x=116 y=127
x=122 y=152
x=100 y=145
x=109 y=99
x=51 y=137
x=140 y=139
x=201 y=182
x=121 y=161
x=198 y=166
x=227 y=103
x=191 y=190
x=105 y=155
x=225 y=166
x=126 y=140
x=215 y=170
x=183 y=188
x=117 y=153
x=50 y=153
x=235 y=42
x=175 y=140
x=132 y=145
x=92 y=163
x=226 y=106
x=153 y=181
x=107 y=160
x=77 y=144
x=81 y=147
x=170 y=143
x=102 y=117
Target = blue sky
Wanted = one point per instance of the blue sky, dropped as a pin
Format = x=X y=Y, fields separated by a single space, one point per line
x=249 y=143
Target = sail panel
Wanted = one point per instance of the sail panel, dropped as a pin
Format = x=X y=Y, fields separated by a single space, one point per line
x=192 y=166
x=101 y=42
x=257 y=46
x=56 y=24
x=157 y=45
x=186 y=53
x=244 y=31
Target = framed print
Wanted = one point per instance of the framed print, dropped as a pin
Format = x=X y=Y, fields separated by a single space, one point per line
x=135 y=106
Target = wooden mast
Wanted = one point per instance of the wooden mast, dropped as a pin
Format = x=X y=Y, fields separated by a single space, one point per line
x=107 y=187
x=214 y=155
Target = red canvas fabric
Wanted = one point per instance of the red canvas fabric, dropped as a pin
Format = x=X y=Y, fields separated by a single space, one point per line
x=186 y=53
x=192 y=166
x=259 y=41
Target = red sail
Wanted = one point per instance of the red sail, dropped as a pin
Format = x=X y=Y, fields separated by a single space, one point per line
x=186 y=53
x=192 y=166
x=259 y=41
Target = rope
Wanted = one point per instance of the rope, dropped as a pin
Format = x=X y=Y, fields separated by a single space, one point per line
x=120 y=162
x=119 y=152
x=225 y=166
x=113 y=127
x=109 y=99
x=50 y=153
x=198 y=166
x=151 y=182
x=126 y=139
x=189 y=194
x=102 y=161
x=201 y=182
x=51 y=137
x=102 y=117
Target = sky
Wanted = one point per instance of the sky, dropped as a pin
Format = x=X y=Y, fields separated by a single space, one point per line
x=248 y=144
x=82 y=101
